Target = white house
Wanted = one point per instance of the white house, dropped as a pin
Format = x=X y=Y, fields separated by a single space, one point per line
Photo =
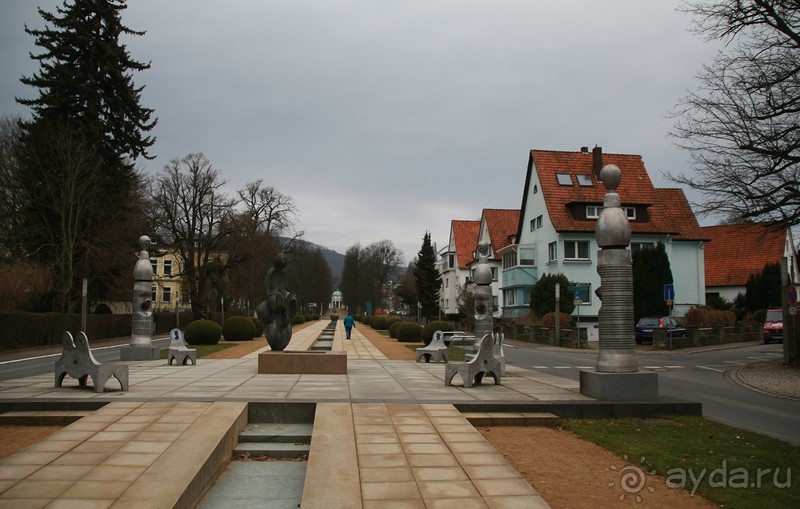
x=454 y=262
x=562 y=199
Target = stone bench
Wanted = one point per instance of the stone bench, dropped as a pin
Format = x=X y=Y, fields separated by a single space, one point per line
x=178 y=351
x=78 y=362
x=473 y=371
x=436 y=350
x=497 y=351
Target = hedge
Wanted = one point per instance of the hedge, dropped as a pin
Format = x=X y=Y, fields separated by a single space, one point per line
x=408 y=332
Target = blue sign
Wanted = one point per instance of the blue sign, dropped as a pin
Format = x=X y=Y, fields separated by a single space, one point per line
x=669 y=292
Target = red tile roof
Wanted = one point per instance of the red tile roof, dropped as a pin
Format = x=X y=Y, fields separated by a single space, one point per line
x=465 y=236
x=739 y=250
x=668 y=210
x=502 y=225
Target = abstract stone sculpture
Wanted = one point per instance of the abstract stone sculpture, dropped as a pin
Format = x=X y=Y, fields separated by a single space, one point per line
x=280 y=306
x=141 y=344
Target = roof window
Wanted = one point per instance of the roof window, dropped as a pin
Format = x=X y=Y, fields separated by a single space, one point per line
x=584 y=180
x=564 y=179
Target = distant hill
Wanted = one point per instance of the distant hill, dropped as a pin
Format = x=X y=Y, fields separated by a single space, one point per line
x=335 y=260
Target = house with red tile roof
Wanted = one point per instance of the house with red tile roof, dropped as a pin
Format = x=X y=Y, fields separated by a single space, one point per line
x=498 y=228
x=562 y=199
x=737 y=251
x=454 y=262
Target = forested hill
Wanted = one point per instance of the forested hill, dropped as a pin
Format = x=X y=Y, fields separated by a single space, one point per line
x=335 y=260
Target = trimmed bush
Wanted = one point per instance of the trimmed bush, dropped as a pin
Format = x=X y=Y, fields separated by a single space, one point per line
x=393 y=328
x=431 y=327
x=380 y=322
x=258 y=325
x=203 y=332
x=298 y=319
x=367 y=320
x=238 y=328
x=408 y=332
x=102 y=309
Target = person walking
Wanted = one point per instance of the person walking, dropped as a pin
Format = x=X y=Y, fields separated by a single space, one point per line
x=349 y=323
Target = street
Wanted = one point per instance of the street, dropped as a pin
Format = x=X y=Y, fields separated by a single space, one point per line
x=698 y=376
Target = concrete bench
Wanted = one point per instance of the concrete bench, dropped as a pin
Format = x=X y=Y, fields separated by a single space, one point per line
x=436 y=350
x=497 y=351
x=178 y=351
x=473 y=371
x=78 y=362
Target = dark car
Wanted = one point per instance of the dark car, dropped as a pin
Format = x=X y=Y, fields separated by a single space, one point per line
x=772 y=330
x=648 y=324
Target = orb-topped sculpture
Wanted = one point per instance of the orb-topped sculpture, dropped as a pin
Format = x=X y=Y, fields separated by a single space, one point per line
x=617 y=375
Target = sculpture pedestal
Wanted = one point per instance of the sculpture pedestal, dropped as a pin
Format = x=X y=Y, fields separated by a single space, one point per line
x=288 y=362
x=637 y=386
x=140 y=353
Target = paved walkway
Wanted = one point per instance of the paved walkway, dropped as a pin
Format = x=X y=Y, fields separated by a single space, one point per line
x=386 y=434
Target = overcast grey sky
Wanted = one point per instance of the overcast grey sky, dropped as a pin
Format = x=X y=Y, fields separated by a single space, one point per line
x=386 y=119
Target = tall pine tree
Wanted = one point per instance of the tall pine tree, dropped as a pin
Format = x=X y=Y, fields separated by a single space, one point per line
x=427 y=278
x=85 y=81
x=87 y=127
x=651 y=271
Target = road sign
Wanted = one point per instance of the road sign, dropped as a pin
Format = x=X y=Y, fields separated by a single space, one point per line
x=669 y=292
x=792 y=295
x=580 y=292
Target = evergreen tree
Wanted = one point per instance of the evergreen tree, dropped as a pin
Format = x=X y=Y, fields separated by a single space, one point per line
x=543 y=295
x=651 y=271
x=763 y=290
x=427 y=278
x=85 y=81
x=86 y=127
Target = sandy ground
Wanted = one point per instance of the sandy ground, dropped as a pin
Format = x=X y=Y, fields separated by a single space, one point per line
x=567 y=471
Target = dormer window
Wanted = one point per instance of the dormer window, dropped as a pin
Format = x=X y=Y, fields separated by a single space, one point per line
x=593 y=211
x=584 y=180
x=564 y=179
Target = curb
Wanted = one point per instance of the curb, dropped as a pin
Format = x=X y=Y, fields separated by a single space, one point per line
x=732 y=375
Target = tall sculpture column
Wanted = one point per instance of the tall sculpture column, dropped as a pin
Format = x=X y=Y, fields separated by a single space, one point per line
x=484 y=304
x=141 y=346
x=617 y=376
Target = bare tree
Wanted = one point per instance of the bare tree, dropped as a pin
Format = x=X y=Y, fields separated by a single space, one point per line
x=383 y=260
x=742 y=126
x=267 y=211
x=193 y=215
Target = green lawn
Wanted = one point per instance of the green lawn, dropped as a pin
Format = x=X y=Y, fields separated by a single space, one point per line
x=728 y=466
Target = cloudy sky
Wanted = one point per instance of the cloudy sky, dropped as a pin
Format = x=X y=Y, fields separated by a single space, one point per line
x=386 y=119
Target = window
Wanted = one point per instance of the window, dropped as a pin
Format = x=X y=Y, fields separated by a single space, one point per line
x=451 y=261
x=509 y=297
x=494 y=273
x=526 y=256
x=584 y=180
x=593 y=211
x=630 y=212
x=552 y=252
x=167 y=267
x=535 y=189
x=447 y=282
x=152 y=294
x=166 y=294
x=576 y=249
x=154 y=264
x=536 y=223
x=526 y=296
x=509 y=259
x=495 y=306
x=564 y=179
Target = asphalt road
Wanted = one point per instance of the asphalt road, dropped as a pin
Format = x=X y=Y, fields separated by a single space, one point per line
x=699 y=376
x=45 y=363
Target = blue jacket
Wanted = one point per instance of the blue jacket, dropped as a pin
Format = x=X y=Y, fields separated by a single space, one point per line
x=349 y=321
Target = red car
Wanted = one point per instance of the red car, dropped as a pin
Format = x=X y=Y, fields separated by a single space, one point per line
x=773 y=326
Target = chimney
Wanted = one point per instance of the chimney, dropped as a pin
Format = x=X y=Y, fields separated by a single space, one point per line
x=584 y=150
x=597 y=160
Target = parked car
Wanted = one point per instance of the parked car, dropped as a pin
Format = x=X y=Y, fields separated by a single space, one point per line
x=648 y=324
x=772 y=329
